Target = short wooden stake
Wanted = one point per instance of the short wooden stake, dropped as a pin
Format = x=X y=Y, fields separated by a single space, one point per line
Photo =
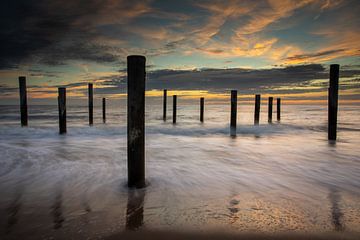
x=104 y=110
x=174 y=109
x=333 y=101
x=233 y=113
x=202 y=100
x=62 y=110
x=270 y=107
x=23 y=101
x=91 y=103
x=278 y=109
x=257 y=109
x=164 y=104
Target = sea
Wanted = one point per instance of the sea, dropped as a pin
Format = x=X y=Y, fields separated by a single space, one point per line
x=272 y=178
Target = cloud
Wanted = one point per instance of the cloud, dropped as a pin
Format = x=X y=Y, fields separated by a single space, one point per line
x=222 y=80
x=51 y=33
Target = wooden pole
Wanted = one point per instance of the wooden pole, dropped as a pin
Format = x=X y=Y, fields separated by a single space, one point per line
x=136 y=121
x=23 y=101
x=233 y=113
x=202 y=100
x=104 y=110
x=257 y=109
x=62 y=110
x=278 y=109
x=333 y=101
x=174 y=109
x=164 y=104
x=270 y=107
x=91 y=103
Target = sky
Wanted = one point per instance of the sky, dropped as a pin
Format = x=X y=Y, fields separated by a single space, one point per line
x=281 y=48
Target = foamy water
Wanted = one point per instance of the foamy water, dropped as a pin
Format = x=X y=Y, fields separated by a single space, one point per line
x=281 y=177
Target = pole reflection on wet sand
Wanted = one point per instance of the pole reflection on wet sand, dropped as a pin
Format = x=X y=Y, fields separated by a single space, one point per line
x=336 y=214
x=135 y=209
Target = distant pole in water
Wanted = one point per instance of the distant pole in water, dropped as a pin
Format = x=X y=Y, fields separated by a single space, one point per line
x=233 y=112
x=202 y=100
x=164 y=104
x=174 y=109
x=270 y=107
x=23 y=101
x=91 y=103
x=62 y=110
x=257 y=109
x=278 y=109
x=104 y=110
x=136 y=121
x=333 y=101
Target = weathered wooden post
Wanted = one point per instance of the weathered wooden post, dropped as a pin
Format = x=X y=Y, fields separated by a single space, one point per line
x=104 y=110
x=202 y=100
x=174 y=109
x=91 y=103
x=257 y=109
x=164 y=104
x=62 y=110
x=278 y=109
x=136 y=121
x=270 y=107
x=233 y=113
x=23 y=101
x=333 y=101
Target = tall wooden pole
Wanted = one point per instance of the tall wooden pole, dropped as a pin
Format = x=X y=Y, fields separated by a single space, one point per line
x=62 y=110
x=23 y=101
x=202 y=101
x=270 y=107
x=91 y=103
x=164 y=104
x=174 y=109
x=136 y=121
x=104 y=110
x=278 y=109
x=333 y=101
x=257 y=109
x=233 y=113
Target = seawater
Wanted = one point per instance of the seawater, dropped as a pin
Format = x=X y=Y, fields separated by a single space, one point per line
x=271 y=178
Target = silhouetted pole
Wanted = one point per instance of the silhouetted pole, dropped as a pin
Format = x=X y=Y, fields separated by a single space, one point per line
x=62 y=110
x=202 y=100
x=164 y=104
x=233 y=112
x=104 y=110
x=136 y=121
x=91 y=103
x=333 y=101
x=270 y=107
x=174 y=109
x=257 y=109
x=23 y=101
x=278 y=109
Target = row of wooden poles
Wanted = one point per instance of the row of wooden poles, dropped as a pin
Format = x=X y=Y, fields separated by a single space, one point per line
x=136 y=113
x=62 y=107
x=233 y=108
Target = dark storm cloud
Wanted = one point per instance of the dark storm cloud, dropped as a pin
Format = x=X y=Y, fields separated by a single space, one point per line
x=245 y=80
x=5 y=90
x=50 y=32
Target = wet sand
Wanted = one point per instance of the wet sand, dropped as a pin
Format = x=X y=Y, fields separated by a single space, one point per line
x=153 y=235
